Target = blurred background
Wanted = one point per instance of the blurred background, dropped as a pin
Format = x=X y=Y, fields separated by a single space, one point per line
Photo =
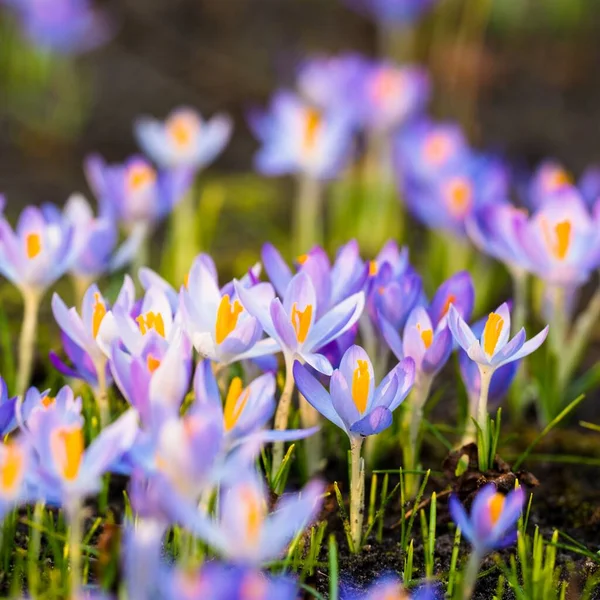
x=521 y=76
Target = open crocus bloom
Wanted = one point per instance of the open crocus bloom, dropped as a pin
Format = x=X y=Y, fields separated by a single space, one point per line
x=134 y=192
x=562 y=240
x=493 y=349
x=293 y=323
x=184 y=139
x=549 y=179
x=217 y=322
x=67 y=470
x=17 y=484
x=493 y=519
x=353 y=403
x=95 y=330
x=299 y=138
x=245 y=533
x=38 y=252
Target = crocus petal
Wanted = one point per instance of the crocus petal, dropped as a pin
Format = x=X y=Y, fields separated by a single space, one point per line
x=460 y=330
x=376 y=421
x=460 y=517
x=530 y=346
x=277 y=269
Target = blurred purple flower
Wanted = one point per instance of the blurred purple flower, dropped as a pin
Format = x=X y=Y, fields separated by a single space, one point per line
x=395 y=11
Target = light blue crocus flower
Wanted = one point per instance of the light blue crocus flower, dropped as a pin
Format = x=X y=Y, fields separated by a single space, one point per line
x=493 y=519
x=38 y=252
x=353 y=403
x=298 y=138
x=17 y=480
x=184 y=139
x=293 y=323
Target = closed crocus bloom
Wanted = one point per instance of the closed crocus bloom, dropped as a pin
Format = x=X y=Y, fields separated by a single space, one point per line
x=94 y=239
x=493 y=519
x=217 y=323
x=293 y=322
x=184 y=139
x=561 y=240
x=65 y=26
x=298 y=138
x=245 y=533
x=393 y=94
x=38 y=252
x=396 y=11
x=330 y=82
x=549 y=179
x=134 y=192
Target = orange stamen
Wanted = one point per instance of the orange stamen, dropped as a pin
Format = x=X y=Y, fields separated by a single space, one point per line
x=301 y=321
x=152 y=363
x=227 y=317
x=302 y=259
x=234 y=403
x=451 y=299
x=312 y=125
x=491 y=332
x=11 y=468
x=33 y=245
x=361 y=380
x=436 y=148
x=460 y=194
x=140 y=175
x=151 y=320
x=69 y=449
x=426 y=335
x=373 y=268
x=98 y=314
x=48 y=401
x=496 y=507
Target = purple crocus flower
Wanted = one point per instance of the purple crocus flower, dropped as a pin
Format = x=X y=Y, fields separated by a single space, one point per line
x=330 y=82
x=94 y=239
x=184 y=139
x=217 y=323
x=67 y=471
x=8 y=421
x=589 y=185
x=493 y=519
x=396 y=11
x=493 y=349
x=394 y=287
x=134 y=192
x=293 y=323
x=427 y=339
x=245 y=534
x=16 y=465
x=561 y=240
x=65 y=26
x=353 y=403
x=389 y=587
x=95 y=330
x=246 y=410
x=296 y=137
x=549 y=179
x=469 y=371
x=392 y=94
x=38 y=252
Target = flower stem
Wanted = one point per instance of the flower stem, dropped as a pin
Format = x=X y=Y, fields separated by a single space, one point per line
x=31 y=300
x=74 y=519
x=102 y=394
x=33 y=578
x=519 y=278
x=357 y=492
x=470 y=575
x=413 y=417
x=485 y=375
x=308 y=218
x=282 y=414
x=313 y=447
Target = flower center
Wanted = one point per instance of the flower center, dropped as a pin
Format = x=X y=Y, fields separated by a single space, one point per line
x=451 y=299
x=460 y=195
x=48 y=401
x=227 y=317
x=152 y=363
x=558 y=238
x=437 y=148
x=33 y=245
x=312 y=125
x=361 y=379
x=491 y=332
x=302 y=259
x=254 y=515
x=388 y=84
x=426 y=335
x=234 y=403
x=301 y=321
x=557 y=179
x=139 y=176
x=496 y=507
x=151 y=320
x=373 y=268
x=98 y=314
x=67 y=447
x=12 y=468
x=181 y=129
